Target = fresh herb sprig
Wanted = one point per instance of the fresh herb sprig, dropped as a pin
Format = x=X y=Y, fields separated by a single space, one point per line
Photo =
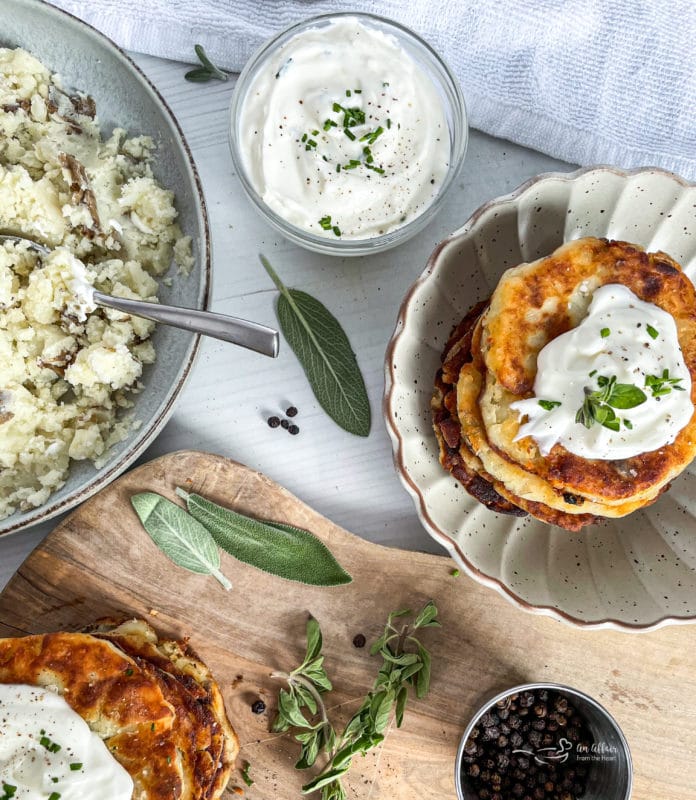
x=405 y=664
x=208 y=71
x=599 y=404
x=662 y=385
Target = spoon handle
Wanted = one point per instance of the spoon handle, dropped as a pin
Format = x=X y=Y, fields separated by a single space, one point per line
x=247 y=334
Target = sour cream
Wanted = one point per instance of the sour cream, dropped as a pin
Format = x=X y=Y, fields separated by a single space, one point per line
x=47 y=750
x=621 y=337
x=343 y=134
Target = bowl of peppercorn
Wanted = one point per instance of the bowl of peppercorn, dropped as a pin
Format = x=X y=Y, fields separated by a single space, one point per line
x=543 y=741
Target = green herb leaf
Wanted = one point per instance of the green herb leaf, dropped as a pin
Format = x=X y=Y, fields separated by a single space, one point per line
x=549 y=405
x=206 y=72
x=652 y=332
x=625 y=395
x=323 y=349
x=245 y=774
x=283 y=550
x=604 y=333
x=178 y=535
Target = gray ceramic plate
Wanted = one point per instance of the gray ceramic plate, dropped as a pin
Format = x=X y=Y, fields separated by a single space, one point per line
x=88 y=61
x=629 y=574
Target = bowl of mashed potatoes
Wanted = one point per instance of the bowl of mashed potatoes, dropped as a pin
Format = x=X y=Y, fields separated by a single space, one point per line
x=93 y=166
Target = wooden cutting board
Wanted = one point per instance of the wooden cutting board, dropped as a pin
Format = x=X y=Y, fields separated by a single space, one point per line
x=100 y=562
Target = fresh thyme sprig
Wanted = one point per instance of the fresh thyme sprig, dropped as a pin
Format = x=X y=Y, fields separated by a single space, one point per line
x=405 y=662
x=660 y=386
x=206 y=72
x=598 y=405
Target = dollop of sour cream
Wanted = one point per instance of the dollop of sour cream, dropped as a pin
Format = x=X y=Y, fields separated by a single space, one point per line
x=621 y=337
x=48 y=751
x=343 y=134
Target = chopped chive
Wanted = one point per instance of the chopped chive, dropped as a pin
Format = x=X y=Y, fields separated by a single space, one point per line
x=325 y=222
x=375 y=169
x=336 y=230
x=315 y=133
x=329 y=123
x=338 y=167
x=54 y=780
x=455 y=573
x=352 y=164
x=628 y=424
x=55 y=748
x=604 y=333
x=349 y=134
x=245 y=774
x=549 y=405
x=77 y=765
x=304 y=137
x=348 y=92
x=594 y=372
x=325 y=158
x=54 y=796
x=388 y=123
x=652 y=332
x=357 y=91
x=129 y=672
x=152 y=726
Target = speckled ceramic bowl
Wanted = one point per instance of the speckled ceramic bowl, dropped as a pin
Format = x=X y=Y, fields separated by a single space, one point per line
x=632 y=574
x=88 y=61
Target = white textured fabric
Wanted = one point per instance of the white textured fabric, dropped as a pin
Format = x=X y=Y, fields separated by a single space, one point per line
x=588 y=81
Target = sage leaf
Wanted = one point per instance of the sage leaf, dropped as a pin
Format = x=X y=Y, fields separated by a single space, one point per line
x=207 y=71
x=322 y=348
x=283 y=550
x=178 y=535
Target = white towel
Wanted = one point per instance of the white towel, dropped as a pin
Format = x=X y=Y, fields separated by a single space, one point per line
x=588 y=81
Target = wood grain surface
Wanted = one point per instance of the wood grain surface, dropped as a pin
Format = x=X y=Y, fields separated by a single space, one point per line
x=100 y=562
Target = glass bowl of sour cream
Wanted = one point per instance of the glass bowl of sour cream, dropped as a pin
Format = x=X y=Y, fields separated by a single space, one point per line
x=347 y=130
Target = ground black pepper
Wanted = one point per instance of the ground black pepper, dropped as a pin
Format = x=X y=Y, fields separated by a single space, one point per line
x=494 y=769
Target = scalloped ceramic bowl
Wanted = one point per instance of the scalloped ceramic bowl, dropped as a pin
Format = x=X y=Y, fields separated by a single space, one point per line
x=89 y=61
x=631 y=574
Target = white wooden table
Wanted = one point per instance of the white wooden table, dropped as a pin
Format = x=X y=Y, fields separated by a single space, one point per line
x=223 y=408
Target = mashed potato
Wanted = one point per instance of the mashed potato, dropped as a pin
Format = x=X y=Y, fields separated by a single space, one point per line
x=67 y=368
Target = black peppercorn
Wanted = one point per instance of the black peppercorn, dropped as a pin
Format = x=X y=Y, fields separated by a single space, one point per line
x=284 y=424
x=291 y=412
x=273 y=422
x=258 y=707
x=359 y=641
x=293 y=429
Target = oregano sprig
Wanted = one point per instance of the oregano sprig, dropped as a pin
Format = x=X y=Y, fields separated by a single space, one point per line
x=599 y=404
x=405 y=663
x=662 y=385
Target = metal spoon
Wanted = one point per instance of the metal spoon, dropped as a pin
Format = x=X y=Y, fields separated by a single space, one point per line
x=242 y=332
